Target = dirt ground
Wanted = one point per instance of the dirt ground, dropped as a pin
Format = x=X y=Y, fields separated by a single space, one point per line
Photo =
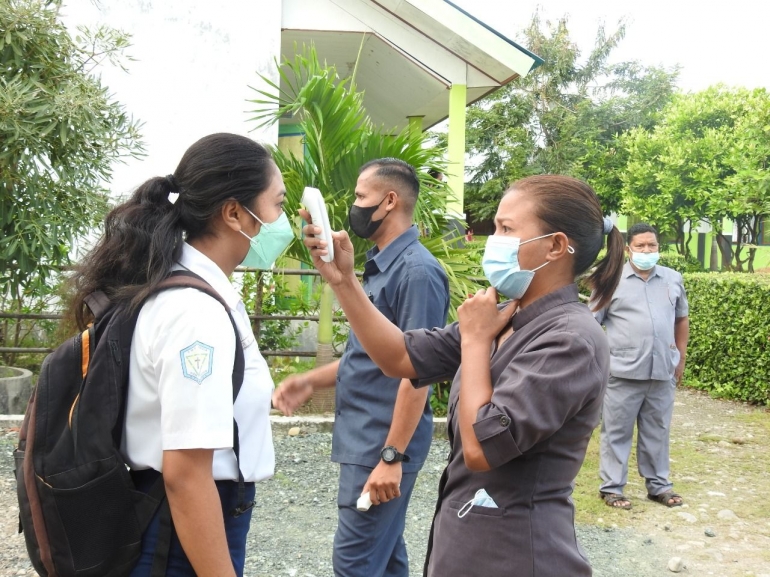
x=720 y=464
x=720 y=457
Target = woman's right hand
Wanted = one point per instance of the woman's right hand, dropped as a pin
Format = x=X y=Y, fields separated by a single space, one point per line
x=341 y=268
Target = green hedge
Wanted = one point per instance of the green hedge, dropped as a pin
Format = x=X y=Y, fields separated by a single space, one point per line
x=729 y=350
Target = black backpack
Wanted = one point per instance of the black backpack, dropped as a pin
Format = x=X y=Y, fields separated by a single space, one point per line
x=79 y=510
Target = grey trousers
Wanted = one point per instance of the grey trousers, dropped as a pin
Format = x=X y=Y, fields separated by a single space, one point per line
x=650 y=405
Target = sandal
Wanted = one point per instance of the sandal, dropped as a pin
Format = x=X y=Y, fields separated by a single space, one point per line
x=611 y=498
x=665 y=499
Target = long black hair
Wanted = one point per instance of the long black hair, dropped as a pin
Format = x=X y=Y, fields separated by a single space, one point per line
x=143 y=236
x=568 y=205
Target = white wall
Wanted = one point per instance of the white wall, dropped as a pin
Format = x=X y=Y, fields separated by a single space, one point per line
x=194 y=62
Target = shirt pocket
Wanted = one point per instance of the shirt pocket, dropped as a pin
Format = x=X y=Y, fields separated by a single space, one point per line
x=486 y=541
x=624 y=352
x=456 y=506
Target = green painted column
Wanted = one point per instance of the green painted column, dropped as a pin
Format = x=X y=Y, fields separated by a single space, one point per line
x=415 y=123
x=456 y=148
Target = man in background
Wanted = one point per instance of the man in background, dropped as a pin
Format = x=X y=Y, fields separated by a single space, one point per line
x=647 y=328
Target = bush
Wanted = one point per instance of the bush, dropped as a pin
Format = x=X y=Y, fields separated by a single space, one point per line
x=680 y=263
x=729 y=349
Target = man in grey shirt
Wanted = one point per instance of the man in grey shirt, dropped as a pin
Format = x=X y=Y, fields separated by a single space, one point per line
x=647 y=328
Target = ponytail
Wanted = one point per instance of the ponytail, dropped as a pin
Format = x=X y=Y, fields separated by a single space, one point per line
x=142 y=239
x=606 y=276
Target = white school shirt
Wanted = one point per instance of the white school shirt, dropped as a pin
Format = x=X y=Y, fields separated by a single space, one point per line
x=180 y=380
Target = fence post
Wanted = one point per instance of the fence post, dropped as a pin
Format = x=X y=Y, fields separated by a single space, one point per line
x=322 y=400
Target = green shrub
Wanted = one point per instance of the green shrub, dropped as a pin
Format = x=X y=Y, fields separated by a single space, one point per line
x=729 y=350
x=680 y=263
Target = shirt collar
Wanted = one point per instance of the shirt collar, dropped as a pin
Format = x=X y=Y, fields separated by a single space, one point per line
x=565 y=295
x=385 y=257
x=195 y=261
x=628 y=271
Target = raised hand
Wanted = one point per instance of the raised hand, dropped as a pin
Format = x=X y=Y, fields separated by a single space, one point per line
x=341 y=268
x=479 y=318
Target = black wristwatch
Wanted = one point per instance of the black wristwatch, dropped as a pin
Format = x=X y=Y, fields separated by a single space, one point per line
x=390 y=454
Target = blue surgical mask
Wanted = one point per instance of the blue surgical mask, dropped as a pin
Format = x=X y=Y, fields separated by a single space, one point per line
x=268 y=244
x=501 y=265
x=480 y=499
x=645 y=260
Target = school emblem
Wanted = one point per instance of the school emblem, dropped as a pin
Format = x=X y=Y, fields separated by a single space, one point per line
x=197 y=361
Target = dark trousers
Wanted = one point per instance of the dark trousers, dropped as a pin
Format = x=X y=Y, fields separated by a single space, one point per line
x=370 y=543
x=178 y=566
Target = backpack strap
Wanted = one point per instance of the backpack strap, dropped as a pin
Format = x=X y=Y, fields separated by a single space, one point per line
x=98 y=303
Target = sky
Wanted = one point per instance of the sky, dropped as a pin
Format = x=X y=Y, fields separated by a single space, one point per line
x=713 y=42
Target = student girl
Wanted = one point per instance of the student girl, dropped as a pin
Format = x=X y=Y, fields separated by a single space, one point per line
x=528 y=380
x=221 y=207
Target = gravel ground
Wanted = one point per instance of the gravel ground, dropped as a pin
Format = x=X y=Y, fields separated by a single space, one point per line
x=295 y=518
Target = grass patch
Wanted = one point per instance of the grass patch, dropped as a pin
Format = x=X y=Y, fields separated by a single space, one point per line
x=708 y=474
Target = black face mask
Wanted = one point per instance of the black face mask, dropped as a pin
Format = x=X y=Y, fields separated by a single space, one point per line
x=360 y=218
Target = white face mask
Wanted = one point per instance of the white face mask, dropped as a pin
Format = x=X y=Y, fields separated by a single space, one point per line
x=645 y=260
x=480 y=499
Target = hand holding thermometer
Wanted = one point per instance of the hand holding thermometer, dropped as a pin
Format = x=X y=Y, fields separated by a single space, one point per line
x=315 y=205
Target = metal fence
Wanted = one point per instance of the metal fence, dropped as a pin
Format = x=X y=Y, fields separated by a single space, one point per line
x=256 y=319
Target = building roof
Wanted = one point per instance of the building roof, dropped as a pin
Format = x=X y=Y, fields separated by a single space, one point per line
x=409 y=52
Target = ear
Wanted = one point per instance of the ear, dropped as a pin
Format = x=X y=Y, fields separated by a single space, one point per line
x=392 y=197
x=560 y=246
x=233 y=215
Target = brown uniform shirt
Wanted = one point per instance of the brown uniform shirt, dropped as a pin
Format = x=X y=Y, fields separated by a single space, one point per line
x=548 y=382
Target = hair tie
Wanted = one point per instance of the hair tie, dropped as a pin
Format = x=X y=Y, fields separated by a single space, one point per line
x=173 y=185
x=608 y=225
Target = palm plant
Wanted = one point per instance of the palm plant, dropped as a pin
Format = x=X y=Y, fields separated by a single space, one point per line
x=339 y=138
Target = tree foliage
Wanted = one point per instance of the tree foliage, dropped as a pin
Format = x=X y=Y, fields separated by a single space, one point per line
x=705 y=161
x=565 y=117
x=61 y=132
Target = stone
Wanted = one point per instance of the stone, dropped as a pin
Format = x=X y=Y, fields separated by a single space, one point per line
x=294 y=431
x=667 y=527
x=727 y=515
x=687 y=517
x=723 y=444
x=709 y=532
x=716 y=494
x=675 y=564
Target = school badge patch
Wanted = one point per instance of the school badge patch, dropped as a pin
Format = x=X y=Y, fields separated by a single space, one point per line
x=197 y=361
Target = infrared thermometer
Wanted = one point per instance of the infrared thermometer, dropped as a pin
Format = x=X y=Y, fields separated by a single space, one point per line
x=315 y=205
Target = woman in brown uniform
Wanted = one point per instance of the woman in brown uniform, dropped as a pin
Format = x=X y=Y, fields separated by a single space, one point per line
x=529 y=390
